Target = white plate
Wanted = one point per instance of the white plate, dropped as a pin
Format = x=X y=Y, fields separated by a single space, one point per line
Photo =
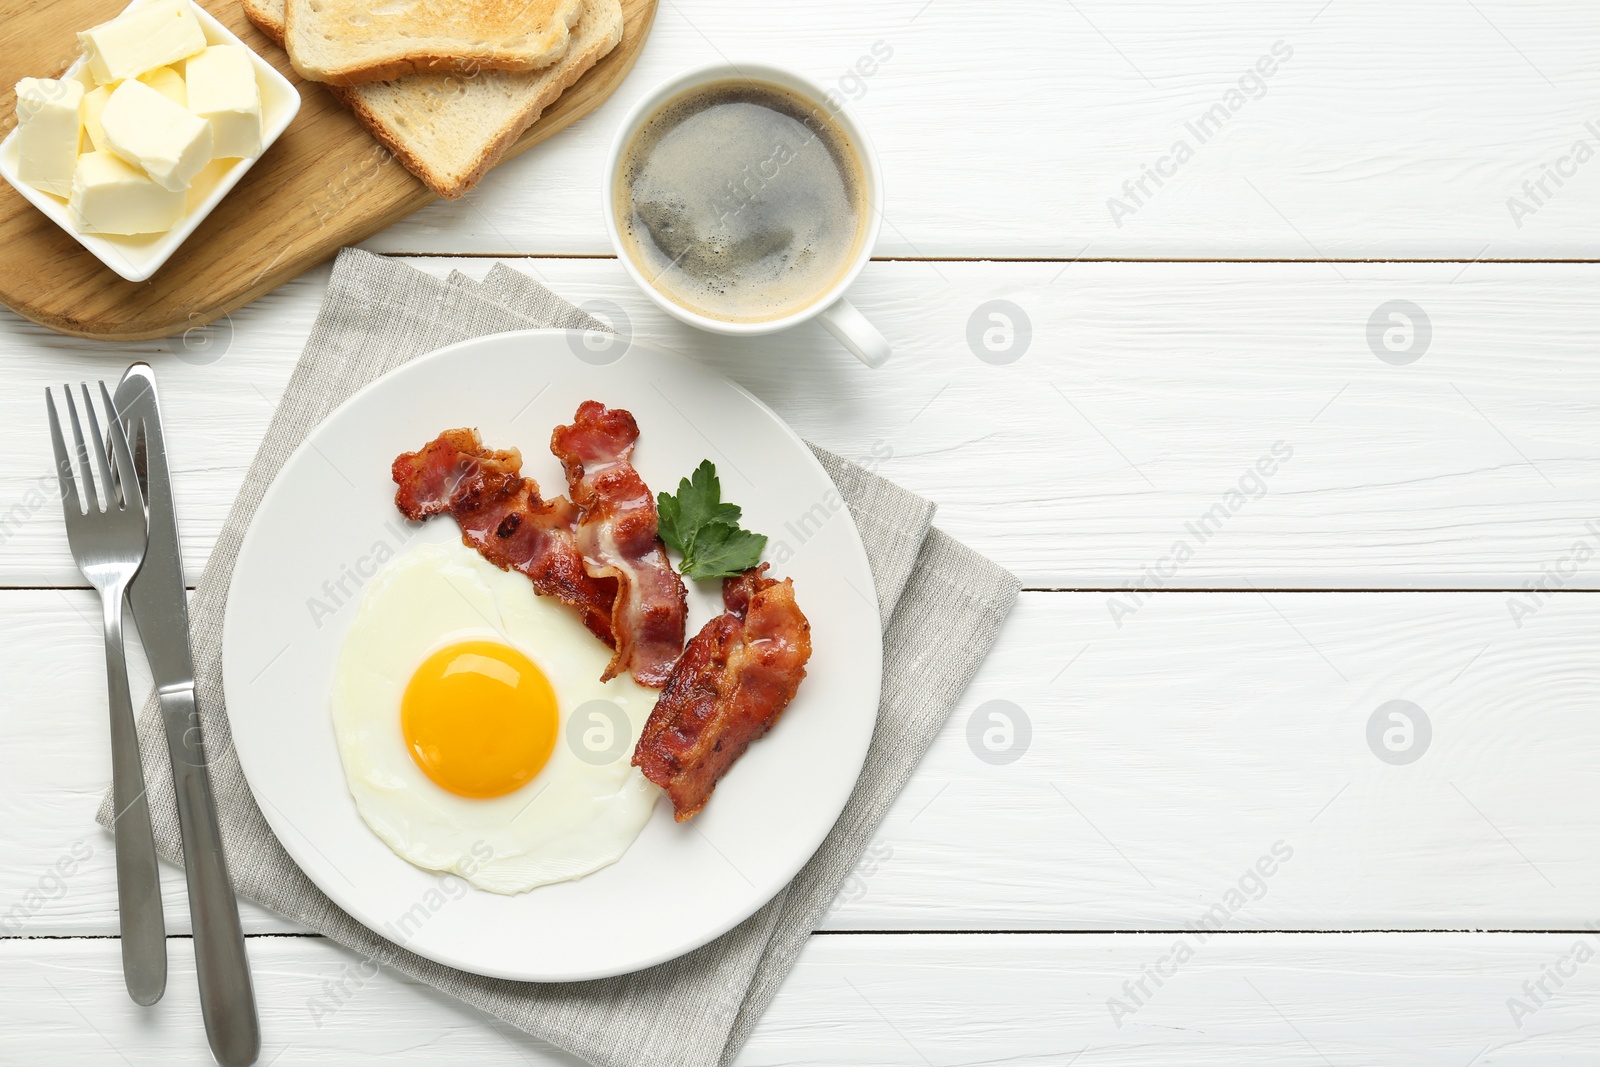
x=137 y=258
x=330 y=515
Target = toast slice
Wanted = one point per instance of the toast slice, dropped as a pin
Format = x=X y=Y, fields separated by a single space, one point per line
x=449 y=130
x=352 y=42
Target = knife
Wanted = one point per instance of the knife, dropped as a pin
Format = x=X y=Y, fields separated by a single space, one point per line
x=161 y=612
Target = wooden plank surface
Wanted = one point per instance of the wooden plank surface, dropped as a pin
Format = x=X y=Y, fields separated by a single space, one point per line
x=1165 y=758
x=1146 y=395
x=325 y=184
x=1397 y=129
x=1134 y=781
x=1253 y=1000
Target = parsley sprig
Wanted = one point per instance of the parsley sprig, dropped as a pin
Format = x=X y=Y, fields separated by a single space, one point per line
x=701 y=527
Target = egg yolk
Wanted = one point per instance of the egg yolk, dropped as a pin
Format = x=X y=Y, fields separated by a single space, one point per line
x=479 y=718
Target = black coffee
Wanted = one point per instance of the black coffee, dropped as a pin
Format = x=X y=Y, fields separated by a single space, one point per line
x=741 y=201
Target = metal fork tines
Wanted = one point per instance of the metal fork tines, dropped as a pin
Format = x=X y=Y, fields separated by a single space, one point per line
x=108 y=542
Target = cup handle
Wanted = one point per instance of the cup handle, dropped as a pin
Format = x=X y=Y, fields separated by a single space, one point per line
x=857 y=334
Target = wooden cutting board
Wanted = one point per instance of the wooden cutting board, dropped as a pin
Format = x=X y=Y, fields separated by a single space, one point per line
x=325 y=184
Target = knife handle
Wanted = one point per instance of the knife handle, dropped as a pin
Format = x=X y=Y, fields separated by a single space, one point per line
x=227 y=998
x=140 y=920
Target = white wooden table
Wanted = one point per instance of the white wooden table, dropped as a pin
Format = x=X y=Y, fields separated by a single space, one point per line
x=1196 y=750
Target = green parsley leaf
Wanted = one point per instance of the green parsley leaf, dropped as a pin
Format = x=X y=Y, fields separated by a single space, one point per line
x=667 y=526
x=722 y=551
x=704 y=530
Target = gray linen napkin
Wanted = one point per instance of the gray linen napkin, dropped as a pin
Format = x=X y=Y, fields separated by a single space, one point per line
x=942 y=606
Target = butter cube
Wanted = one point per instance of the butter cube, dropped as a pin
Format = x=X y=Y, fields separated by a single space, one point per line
x=94 y=102
x=110 y=197
x=167 y=82
x=156 y=35
x=223 y=91
x=49 y=132
x=154 y=134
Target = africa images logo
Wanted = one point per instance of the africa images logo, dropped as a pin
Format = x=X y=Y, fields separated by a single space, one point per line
x=1250 y=887
x=1204 y=127
x=1251 y=485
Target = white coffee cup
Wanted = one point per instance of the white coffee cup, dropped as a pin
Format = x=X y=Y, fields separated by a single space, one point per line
x=838 y=315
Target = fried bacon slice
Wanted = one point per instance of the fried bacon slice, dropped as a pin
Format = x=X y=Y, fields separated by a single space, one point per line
x=734 y=680
x=502 y=515
x=617 y=533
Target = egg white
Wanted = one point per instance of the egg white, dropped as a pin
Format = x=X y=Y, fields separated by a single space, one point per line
x=574 y=817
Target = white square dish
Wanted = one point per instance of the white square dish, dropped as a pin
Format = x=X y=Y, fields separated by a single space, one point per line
x=137 y=258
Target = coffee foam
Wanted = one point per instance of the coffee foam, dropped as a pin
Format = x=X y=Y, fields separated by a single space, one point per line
x=741 y=201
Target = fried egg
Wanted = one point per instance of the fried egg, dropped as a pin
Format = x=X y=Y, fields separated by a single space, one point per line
x=475 y=733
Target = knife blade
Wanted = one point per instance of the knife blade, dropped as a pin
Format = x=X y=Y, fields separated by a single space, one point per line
x=160 y=605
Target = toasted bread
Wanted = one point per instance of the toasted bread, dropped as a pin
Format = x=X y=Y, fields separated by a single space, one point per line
x=268 y=16
x=449 y=130
x=352 y=42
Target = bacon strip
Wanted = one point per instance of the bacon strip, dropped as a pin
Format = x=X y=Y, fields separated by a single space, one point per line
x=617 y=533
x=734 y=680
x=502 y=516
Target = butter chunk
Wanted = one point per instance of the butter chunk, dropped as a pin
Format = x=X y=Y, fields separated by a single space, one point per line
x=157 y=136
x=110 y=197
x=94 y=102
x=156 y=35
x=223 y=91
x=167 y=82
x=49 y=132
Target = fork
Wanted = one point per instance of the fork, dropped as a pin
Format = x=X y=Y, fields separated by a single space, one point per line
x=108 y=544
